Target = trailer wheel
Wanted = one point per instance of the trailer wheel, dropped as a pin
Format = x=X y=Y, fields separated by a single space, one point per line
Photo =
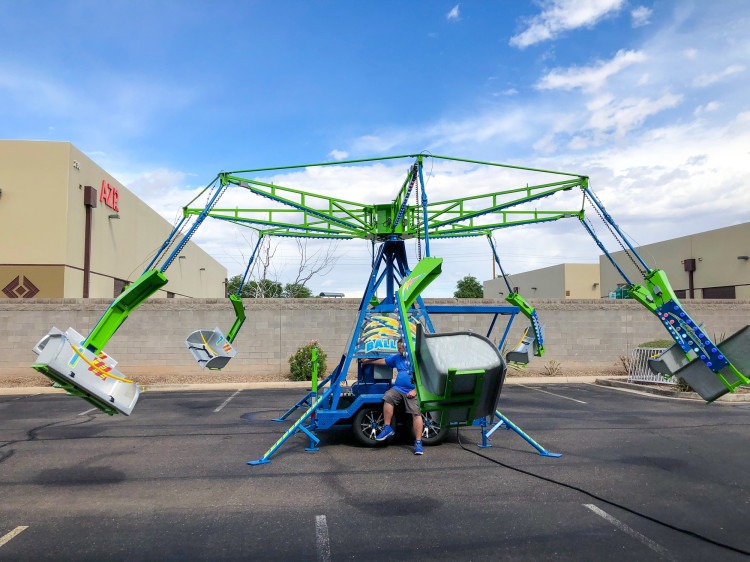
x=367 y=423
x=433 y=433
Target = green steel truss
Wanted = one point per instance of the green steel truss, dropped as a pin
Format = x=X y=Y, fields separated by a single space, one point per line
x=303 y=214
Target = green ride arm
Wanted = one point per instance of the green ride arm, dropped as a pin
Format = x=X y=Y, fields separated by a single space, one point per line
x=658 y=297
x=122 y=306
x=239 y=311
x=426 y=271
x=529 y=312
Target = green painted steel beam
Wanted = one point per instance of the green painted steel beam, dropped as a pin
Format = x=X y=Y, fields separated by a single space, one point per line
x=146 y=285
x=308 y=215
x=239 y=312
x=509 y=166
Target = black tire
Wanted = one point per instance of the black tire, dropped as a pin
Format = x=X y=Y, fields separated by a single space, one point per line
x=366 y=424
x=433 y=433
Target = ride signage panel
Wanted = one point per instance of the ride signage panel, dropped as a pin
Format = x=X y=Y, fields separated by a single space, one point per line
x=380 y=333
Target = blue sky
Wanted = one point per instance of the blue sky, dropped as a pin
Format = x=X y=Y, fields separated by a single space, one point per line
x=650 y=99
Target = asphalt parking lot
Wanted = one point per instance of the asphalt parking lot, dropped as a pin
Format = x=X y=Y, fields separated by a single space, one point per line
x=641 y=478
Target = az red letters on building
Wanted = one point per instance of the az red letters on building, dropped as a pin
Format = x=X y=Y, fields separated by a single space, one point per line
x=109 y=196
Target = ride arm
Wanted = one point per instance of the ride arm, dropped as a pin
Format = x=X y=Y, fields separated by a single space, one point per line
x=146 y=285
x=659 y=298
x=239 y=311
x=529 y=312
x=517 y=300
x=425 y=272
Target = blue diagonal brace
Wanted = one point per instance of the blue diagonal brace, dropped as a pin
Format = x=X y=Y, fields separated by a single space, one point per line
x=296 y=426
x=507 y=424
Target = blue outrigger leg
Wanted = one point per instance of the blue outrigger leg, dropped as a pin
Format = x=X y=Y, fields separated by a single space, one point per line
x=505 y=423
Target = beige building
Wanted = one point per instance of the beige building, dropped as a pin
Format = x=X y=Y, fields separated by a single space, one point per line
x=716 y=264
x=708 y=265
x=69 y=230
x=563 y=281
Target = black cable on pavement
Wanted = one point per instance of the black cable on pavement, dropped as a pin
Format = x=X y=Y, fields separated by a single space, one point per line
x=601 y=499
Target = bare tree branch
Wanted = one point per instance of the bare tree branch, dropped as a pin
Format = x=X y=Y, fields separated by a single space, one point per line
x=319 y=262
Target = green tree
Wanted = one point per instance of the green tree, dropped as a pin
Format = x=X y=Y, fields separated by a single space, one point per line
x=296 y=291
x=265 y=289
x=468 y=288
x=234 y=283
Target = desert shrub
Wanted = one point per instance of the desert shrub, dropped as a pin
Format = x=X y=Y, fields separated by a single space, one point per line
x=552 y=368
x=300 y=363
x=625 y=360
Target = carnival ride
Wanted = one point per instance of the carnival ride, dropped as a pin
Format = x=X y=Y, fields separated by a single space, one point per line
x=454 y=387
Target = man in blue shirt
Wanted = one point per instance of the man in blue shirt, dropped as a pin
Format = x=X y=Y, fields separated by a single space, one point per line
x=402 y=391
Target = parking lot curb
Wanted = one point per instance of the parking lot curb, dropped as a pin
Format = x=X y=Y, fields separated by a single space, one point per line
x=624 y=385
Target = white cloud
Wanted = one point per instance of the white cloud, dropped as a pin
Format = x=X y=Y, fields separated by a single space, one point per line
x=338 y=154
x=619 y=117
x=559 y=16
x=707 y=79
x=691 y=53
x=35 y=92
x=110 y=106
x=508 y=92
x=708 y=108
x=506 y=126
x=641 y=16
x=546 y=144
x=712 y=106
x=578 y=142
x=589 y=78
x=453 y=15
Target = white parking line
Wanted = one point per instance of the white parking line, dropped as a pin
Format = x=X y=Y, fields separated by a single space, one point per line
x=14 y=533
x=227 y=401
x=88 y=411
x=552 y=393
x=656 y=547
x=321 y=539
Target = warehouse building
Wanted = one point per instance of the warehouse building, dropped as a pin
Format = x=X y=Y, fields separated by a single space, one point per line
x=708 y=265
x=70 y=230
x=562 y=281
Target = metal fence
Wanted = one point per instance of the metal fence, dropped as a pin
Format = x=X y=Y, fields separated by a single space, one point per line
x=638 y=370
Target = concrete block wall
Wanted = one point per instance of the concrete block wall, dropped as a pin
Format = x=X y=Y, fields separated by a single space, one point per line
x=580 y=335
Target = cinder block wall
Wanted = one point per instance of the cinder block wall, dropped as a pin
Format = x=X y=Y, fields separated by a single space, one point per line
x=581 y=335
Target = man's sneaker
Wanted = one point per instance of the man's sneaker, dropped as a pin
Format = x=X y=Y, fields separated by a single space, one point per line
x=386 y=432
x=418 y=448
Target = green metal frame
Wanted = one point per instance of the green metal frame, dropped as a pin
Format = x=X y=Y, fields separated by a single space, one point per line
x=297 y=213
x=657 y=296
x=130 y=299
x=239 y=312
x=425 y=272
x=309 y=215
